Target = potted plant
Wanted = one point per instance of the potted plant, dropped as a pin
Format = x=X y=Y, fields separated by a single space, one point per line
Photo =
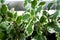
x=35 y=23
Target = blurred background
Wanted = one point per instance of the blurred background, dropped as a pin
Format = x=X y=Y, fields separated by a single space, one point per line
x=18 y=6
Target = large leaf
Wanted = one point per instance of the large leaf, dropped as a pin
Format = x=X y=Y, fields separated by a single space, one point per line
x=18 y=20
x=4 y=9
x=9 y=14
x=29 y=28
x=9 y=19
x=2 y=1
x=3 y=25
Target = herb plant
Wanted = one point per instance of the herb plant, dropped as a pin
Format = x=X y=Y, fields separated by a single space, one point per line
x=35 y=23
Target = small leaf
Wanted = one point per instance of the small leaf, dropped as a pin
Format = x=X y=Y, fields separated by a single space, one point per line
x=42 y=3
x=46 y=13
x=21 y=37
x=38 y=9
x=9 y=14
x=55 y=15
x=29 y=1
x=32 y=13
x=55 y=27
x=58 y=5
x=1 y=35
x=43 y=20
x=33 y=3
x=26 y=17
x=38 y=30
x=9 y=19
x=18 y=20
x=58 y=36
x=39 y=37
x=50 y=29
x=50 y=5
x=25 y=3
x=0 y=18
x=15 y=15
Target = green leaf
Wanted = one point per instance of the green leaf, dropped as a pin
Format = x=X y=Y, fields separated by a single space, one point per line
x=15 y=15
x=4 y=9
x=9 y=14
x=54 y=27
x=26 y=17
x=0 y=18
x=10 y=27
x=38 y=9
x=29 y=29
x=3 y=25
x=34 y=20
x=58 y=5
x=58 y=36
x=25 y=3
x=39 y=37
x=43 y=20
x=21 y=37
x=18 y=20
x=50 y=29
x=46 y=13
x=2 y=1
x=55 y=15
x=39 y=30
x=1 y=35
x=50 y=5
x=9 y=19
x=33 y=3
x=29 y=1
x=32 y=12
x=42 y=3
